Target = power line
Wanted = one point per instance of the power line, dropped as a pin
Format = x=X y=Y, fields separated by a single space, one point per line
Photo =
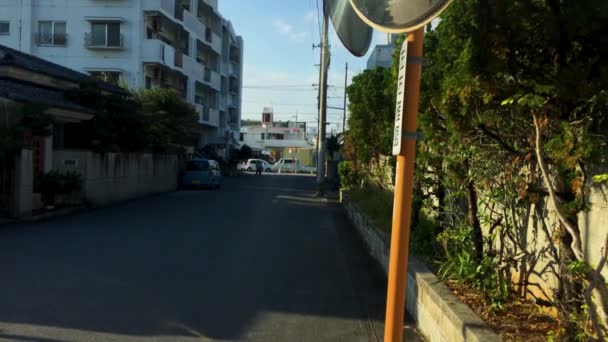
x=319 y=20
x=280 y=89
x=278 y=86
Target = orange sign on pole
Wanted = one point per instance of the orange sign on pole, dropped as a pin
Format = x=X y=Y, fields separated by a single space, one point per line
x=404 y=146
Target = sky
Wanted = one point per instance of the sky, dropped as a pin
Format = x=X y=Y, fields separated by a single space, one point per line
x=279 y=62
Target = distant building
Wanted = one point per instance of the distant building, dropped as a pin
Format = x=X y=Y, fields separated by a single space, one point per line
x=277 y=137
x=382 y=55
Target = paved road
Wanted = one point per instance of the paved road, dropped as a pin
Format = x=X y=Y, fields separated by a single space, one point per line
x=260 y=260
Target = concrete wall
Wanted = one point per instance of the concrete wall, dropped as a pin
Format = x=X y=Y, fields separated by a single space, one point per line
x=439 y=315
x=537 y=224
x=23 y=184
x=114 y=177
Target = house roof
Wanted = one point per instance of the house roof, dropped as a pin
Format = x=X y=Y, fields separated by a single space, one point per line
x=25 y=92
x=14 y=57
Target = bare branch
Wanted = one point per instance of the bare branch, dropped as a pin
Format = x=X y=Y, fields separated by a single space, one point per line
x=576 y=240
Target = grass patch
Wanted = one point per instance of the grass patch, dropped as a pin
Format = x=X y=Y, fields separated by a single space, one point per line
x=376 y=203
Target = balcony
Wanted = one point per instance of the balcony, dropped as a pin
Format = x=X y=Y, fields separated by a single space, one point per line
x=212 y=79
x=207 y=116
x=92 y=41
x=192 y=68
x=167 y=6
x=234 y=117
x=235 y=54
x=178 y=59
x=155 y=51
x=234 y=70
x=193 y=24
x=210 y=3
x=211 y=39
x=233 y=101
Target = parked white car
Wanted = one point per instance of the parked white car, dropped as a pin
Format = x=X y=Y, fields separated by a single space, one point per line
x=289 y=165
x=249 y=165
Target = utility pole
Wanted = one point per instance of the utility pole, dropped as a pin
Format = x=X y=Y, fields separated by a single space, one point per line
x=322 y=105
x=345 y=85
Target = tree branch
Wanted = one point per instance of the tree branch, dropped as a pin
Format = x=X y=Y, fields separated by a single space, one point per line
x=484 y=129
x=573 y=231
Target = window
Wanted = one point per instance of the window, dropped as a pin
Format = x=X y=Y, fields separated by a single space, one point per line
x=107 y=76
x=5 y=28
x=52 y=33
x=105 y=34
x=276 y=136
x=148 y=82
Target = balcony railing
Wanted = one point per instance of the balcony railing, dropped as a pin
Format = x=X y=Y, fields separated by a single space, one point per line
x=91 y=41
x=168 y=6
x=57 y=39
x=207 y=116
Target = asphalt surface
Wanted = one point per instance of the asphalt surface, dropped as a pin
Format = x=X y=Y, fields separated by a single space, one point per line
x=261 y=259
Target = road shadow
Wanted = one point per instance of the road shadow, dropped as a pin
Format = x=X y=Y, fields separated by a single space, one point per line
x=262 y=256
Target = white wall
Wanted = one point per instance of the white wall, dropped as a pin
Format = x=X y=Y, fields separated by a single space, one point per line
x=115 y=177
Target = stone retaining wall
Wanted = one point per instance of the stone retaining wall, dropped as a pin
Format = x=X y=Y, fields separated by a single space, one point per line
x=439 y=315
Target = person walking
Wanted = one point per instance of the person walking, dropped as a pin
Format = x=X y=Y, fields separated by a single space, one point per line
x=258 y=167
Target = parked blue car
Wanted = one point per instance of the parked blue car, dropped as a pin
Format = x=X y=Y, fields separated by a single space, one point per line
x=202 y=173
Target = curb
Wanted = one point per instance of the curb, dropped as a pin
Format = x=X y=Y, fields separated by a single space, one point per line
x=54 y=214
x=440 y=316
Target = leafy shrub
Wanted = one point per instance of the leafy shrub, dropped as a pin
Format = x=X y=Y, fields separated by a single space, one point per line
x=50 y=186
x=424 y=236
x=348 y=176
x=56 y=183
x=72 y=182
x=459 y=264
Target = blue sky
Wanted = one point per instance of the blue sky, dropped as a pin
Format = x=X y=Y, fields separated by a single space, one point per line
x=278 y=38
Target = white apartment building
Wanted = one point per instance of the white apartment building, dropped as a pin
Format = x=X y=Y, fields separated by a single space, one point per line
x=183 y=44
x=382 y=55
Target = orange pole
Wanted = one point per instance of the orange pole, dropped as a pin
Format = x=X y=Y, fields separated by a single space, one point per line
x=402 y=205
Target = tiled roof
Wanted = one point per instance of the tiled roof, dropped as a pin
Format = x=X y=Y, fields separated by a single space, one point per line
x=25 y=92
x=14 y=57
